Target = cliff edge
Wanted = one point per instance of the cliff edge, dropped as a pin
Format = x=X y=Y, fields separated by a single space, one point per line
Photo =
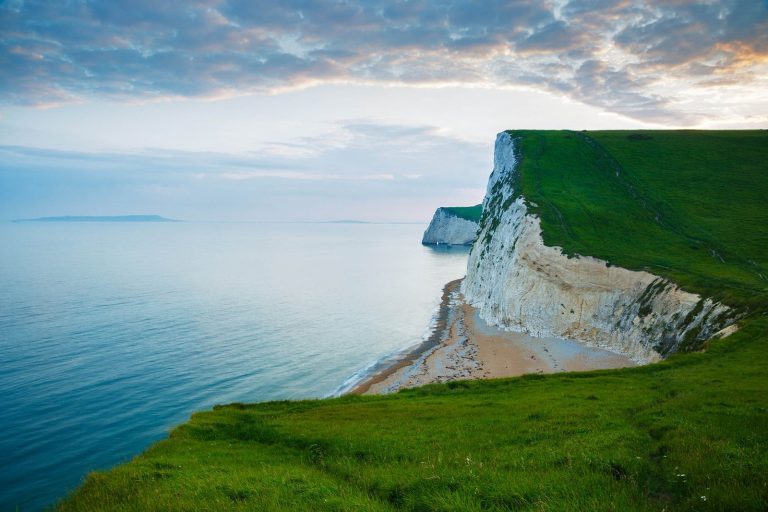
x=518 y=283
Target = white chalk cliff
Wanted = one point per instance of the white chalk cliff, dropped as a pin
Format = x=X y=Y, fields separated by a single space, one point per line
x=519 y=284
x=448 y=228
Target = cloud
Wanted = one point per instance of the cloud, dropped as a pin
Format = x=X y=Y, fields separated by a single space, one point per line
x=614 y=54
x=358 y=161
x=557 y=37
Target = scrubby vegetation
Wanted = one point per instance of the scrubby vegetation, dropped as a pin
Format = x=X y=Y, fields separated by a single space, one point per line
x=690 y=433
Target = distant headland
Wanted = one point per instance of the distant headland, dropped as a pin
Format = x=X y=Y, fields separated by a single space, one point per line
x=110 y=218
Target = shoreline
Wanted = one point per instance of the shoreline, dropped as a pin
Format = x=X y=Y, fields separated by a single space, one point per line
x=463 y=346
x=411 y=356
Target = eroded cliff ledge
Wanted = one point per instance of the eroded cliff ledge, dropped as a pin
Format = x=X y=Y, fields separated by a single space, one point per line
x=448 y=226
x=518 y=283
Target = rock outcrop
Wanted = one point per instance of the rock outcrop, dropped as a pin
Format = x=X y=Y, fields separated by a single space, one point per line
x=519 y=284
x=448 y=228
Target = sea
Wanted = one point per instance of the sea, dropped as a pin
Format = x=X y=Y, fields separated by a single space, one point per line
x=113 y=333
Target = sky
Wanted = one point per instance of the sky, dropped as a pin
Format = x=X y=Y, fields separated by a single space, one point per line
x=240 y=110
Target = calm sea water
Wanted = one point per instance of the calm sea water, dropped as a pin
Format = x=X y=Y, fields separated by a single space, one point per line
x=111 y=334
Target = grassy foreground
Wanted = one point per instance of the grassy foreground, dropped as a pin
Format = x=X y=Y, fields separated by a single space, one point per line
x=690 y=433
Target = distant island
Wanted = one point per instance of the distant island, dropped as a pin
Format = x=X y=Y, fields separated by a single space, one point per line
x=98 y=218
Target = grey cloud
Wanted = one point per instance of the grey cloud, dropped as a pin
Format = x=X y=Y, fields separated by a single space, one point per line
x=150 y=161
x=365 y=163
x=358 y=147
x=555 y=37
x=373 y=147
x=616 y=88
x=57 y=52
x=680 y=33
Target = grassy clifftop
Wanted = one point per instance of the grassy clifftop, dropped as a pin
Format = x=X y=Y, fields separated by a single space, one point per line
x=688 y=205
x=690 y=433
x=472 y=213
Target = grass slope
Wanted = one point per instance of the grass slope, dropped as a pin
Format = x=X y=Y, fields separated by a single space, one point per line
x=690 y=433
x=688 y=205
x=472 y=213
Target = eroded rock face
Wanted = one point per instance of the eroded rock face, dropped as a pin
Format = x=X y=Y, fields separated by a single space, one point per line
x=518 y=283
x=447 y=228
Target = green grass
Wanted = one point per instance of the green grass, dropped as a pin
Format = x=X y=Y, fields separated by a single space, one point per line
x=472 y=213
x=689 y=205
x=690 y=433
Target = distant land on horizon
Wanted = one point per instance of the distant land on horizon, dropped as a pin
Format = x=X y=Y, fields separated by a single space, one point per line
x=101 y=218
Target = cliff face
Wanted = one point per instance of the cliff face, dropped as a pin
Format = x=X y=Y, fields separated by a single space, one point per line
x=520 y=284
x=447 y=228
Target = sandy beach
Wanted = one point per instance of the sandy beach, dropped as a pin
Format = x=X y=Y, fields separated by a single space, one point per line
x=463 y=346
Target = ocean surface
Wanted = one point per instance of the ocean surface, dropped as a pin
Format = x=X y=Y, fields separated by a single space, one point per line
x=113 y=333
